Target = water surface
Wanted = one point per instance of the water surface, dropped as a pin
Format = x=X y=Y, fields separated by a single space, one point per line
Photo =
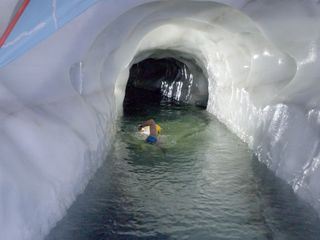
x=201 y=182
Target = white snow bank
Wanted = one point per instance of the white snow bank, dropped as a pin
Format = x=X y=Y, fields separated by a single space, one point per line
x=59 y=101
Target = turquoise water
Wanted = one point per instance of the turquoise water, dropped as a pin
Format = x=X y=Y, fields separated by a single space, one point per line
x=201 y=182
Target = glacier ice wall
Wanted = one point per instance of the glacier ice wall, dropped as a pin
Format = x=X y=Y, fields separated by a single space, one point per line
x=63 y=76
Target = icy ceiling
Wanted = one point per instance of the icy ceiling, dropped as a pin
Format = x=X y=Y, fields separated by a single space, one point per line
x=63 y=74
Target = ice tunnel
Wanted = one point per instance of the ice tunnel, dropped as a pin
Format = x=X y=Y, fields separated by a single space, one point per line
x=64 y=69
x=162 y=78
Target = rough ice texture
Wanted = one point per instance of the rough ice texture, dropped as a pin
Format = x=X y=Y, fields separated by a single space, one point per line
x=58 y=102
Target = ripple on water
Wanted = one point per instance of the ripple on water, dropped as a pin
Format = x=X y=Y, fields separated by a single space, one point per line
x=201 y=183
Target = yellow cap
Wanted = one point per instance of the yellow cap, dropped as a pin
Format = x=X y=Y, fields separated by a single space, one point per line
x=158 y=128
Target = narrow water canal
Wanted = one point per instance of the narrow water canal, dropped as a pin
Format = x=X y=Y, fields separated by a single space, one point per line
x=201 y=183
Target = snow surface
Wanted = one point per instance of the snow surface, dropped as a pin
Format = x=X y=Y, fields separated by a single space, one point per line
x=59 y=97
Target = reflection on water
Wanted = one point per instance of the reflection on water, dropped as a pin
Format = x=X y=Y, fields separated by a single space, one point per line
x=202 y=182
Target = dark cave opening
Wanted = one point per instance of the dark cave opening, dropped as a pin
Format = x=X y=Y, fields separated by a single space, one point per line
x=153 y=82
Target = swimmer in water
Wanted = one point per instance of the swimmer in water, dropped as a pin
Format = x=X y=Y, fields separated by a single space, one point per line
x=153 y=132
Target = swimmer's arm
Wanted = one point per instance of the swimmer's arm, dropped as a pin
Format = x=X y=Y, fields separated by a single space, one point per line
x=152 y=124
x=149 y=122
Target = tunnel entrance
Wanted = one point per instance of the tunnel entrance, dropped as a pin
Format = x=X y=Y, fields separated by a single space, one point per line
x=156 y=81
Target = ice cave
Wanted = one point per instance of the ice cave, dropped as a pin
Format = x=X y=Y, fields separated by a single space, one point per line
x=228 y=80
